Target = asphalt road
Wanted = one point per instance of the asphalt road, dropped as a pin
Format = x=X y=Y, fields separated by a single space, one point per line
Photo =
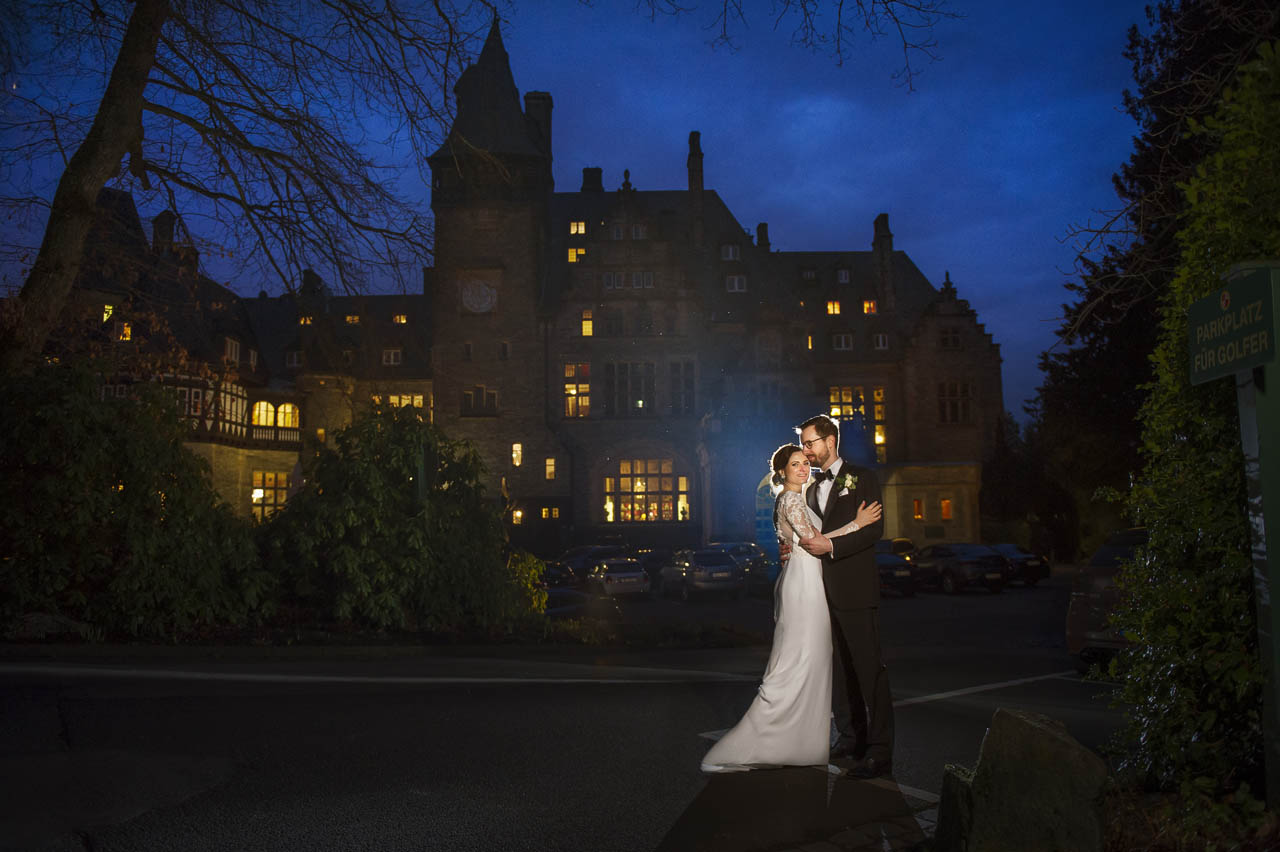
x=498 y=748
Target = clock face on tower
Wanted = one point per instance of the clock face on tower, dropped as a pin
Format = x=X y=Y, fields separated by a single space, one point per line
x=478 y=296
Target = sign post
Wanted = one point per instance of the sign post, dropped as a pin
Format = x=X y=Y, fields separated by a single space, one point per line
x=1232 y=333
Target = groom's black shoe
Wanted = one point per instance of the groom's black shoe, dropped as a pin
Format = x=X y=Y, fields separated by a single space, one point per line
x=870 y=767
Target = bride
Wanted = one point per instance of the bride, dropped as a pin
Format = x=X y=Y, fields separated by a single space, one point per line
x=789 y=721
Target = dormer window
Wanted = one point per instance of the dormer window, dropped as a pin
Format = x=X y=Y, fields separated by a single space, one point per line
x=730 y=251
x=577 y=227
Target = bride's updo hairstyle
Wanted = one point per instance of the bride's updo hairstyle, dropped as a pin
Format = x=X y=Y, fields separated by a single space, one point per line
x=781 y=456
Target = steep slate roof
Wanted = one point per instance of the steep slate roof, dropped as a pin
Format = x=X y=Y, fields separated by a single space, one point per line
x=489 y=113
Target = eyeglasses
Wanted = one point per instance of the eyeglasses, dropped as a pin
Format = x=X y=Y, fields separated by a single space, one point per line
x=808 y=445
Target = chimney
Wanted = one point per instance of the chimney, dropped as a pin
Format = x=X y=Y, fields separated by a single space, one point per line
x=162 y=232
x=694 y=163
x=762 y=236
x=592 y=179
x=882 y=252
x=537 y=108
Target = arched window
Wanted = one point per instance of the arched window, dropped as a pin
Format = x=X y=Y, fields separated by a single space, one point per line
x=264 y=414
x=287 y=415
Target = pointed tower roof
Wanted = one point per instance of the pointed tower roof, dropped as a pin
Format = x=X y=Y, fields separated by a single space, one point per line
x=489 y=114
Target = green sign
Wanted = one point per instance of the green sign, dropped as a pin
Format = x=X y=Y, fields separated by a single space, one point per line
x=1233 y=329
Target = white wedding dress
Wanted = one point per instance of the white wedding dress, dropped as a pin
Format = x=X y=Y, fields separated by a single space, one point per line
x=789 y=721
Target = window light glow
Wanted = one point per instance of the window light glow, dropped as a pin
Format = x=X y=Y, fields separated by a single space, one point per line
x=833 y=307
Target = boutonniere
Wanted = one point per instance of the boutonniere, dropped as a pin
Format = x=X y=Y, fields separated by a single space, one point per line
x=845 y=482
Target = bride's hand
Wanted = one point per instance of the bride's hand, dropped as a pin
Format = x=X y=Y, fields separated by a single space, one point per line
x=868 y=514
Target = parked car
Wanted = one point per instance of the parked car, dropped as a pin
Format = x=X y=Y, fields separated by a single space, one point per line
x=900 y=546
x=953 y=567
x=895 y=574
x=651 y=559
x=618 y=576
x=559 y=574
x=1094 y=595
x=568 y=602
x=1024 y=566
x=582 y=558
x=759 y=571
x=693 y=572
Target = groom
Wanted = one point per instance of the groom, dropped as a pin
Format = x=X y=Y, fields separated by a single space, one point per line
x=860 y=682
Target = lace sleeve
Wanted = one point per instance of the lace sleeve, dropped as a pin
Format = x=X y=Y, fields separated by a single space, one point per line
x=797 y=514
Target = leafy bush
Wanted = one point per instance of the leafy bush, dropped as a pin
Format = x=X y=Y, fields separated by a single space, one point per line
x=106 y=518
x=1192 y=682
x=395 y=528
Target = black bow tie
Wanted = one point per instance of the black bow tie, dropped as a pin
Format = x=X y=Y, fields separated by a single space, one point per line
x=825 y=474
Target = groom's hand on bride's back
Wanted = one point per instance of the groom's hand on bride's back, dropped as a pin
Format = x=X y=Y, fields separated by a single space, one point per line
x=818 y=545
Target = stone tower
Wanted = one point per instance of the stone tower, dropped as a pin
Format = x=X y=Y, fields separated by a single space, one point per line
x=491 y=185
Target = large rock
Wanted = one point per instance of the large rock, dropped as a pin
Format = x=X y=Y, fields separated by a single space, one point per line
x=955 y=809
x=1035 y=787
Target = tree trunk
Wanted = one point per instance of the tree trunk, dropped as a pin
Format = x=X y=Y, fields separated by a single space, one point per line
x=116 y=130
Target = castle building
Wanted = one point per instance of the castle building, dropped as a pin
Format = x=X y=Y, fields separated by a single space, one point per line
x=625 y=361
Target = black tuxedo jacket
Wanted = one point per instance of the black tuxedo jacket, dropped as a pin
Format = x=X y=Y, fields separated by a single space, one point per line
x=849 y=570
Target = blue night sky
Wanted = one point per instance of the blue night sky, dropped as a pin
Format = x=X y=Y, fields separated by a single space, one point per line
x=1007 y=140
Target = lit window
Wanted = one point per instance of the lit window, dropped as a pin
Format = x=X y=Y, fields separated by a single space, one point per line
x=517 y=517
x=844 y=401
x=264 y=414
x=550 y=468
x=879 y=411
x=869 y=306
x=269 y=491
x=555 y=511
x=400 y=319
x=881 y=341
x=546 y=512
x=287 y=416
x=517 y=455
x=577 y=227
x=842 y=342
x=107 y=311
x=842 y=276
x=735 y=283
x=809 y=341
x=879 y=434
x=391 y=357
x=124 y=331
x=646 y=490
x=833 y=308
x=577 y=390
x=575 y=254
x=402 y=400
x=944 y=508
x=587 y=330
x=304 y=320
x=320 y=435
x=730 y=251
x=917 y=510
x=353 y=319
